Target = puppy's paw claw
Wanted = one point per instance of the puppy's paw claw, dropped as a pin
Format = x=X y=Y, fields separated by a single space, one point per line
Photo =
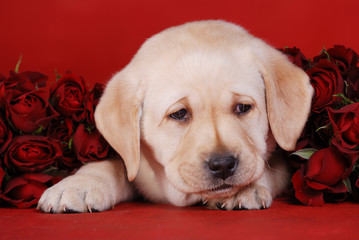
x=221 y=206
x=252 y=197
x=84 y=196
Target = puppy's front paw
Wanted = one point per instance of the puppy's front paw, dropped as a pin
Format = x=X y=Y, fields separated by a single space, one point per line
x=76 y=194
x=251 y=197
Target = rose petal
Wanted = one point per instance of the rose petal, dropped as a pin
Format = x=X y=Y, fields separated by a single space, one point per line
x=303 y=193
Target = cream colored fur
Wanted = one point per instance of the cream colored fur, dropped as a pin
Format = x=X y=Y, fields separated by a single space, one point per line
x=206 y=68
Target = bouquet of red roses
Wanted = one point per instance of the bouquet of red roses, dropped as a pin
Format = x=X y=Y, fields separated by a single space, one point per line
x=328 y=169
x=45 y=133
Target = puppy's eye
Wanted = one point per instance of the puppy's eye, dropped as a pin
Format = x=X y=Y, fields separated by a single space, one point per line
x=181 y=114
x=242 y=108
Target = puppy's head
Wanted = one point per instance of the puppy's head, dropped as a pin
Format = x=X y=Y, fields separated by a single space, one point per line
x=205 y=100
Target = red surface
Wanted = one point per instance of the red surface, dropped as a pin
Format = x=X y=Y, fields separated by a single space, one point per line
x=96 y=38
x=153 y=221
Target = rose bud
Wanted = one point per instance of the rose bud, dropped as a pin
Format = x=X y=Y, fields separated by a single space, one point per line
x=67 y=96
x=89 y=145
x=25 y=191
x=31 y=153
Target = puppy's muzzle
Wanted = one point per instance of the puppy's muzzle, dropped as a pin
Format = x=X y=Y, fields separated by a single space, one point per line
x=222 y=165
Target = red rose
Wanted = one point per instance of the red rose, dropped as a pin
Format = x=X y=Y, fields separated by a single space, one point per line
x=31 y=153
x=326 y=81
x=29 y=110
x=315 y=134
x=296 y=56
x=92 y=99
x=5 y=135
x=89 y=145
x=345 y=122
x=2 y=175
x=31 y=79
x=356 y=187
x=354 y=183
x=323 y=173
x=61 y=131
x=25 y=191
x=67 y=96
x=343 y=57
x=352 y=90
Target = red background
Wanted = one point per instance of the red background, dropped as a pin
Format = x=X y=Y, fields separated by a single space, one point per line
x=96 y=38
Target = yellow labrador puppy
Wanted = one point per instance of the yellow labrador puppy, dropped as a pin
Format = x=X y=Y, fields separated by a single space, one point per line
x=196 y=116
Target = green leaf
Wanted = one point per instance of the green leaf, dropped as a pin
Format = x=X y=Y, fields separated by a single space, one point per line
x=345 y=101
x=58 y=76
x=348 y=185
x=323 y=127
x=89 y=128
x=38 y=131
x=305 y=153
x=18 y=64
x=326 y=53
x=310 y=61
x=356 y=168
x=70 y=143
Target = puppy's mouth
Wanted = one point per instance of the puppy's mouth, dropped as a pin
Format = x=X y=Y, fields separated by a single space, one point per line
x=222 y=191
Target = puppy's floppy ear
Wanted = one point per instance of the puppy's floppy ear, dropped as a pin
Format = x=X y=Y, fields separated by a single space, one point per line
x=118 y=118
x=288 y=94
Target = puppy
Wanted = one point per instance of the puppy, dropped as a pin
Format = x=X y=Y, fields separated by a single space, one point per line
x=195 y=116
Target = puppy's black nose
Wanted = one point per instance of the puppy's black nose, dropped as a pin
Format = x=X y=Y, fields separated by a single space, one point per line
x=222 y=165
